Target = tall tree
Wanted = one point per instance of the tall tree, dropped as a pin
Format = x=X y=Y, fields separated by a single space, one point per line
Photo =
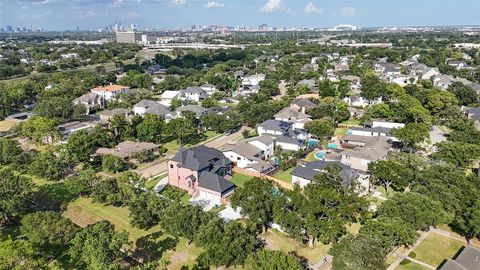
x=14 y=195
x=358 y=252
x=256 y=200
x=97 y=247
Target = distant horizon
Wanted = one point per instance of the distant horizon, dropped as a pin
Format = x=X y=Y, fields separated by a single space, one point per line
x=62 y=15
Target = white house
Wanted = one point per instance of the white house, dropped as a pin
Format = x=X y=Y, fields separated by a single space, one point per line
x=402 y=79
x=69 y=56
x=193 y=93
x=429 y=73
x=386 y=124
x=361 y=150
x=167 y=97
x=253 y=79
x=208 y=88
x=358 y=101
x=110 y=92
x=90 y=100
x=305 y=174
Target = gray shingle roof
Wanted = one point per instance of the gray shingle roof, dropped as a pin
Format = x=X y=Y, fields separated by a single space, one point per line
x=467 y=259
x=374 y=129
x=316 y=167
x=153 y=107
x=198 y=110
x=303 y=102
x=275 y=125
x=214 y=182
x=201 y=157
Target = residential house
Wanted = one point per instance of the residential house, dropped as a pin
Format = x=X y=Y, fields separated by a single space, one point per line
x=442 y=81
x=74 y=126
x=309 y=67
x=284 y=133
x=359 y=151
x=106 y=115
x=355 y=85
x=428 y=73
x=386 y=69
x=198 y=110
x=457 y=64
x=402 y=79
x=290 y=115
x=150 y=107
x=303 y=105
x=248 y=156
x=167 y=97
x=467 y=259
x=110 y=92
x=305 y=174
x=386 y=124
x=358 y=101
x=193 y=94
x=201 y=171
x=90 y=101
x=253 y=79
x=127 y=150
x=209 y=88
x=474 y=115
x=310 y=83
x=246 y=90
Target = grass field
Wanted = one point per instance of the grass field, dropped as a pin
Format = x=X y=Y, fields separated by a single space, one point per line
x=150 y=245
x=351 y=122
x=436 y=248
x=311 y=157
x=239 y=179
x=285 y=176
x=279 y=241
x=340 y=131
x=408 y=265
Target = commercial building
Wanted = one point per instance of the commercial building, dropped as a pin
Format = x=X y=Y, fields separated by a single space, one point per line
x=128 y=37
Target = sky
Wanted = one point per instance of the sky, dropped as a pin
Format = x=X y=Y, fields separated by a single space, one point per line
x=169 y=14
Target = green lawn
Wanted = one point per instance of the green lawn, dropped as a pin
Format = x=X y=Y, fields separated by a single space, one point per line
x=153 y=182
x=152 y=244
x=436 y=248
x=409 y=265
x=278 y=241
x=351 y=122
x=240 y=179
x=311 y=157
x=340 y=131
x=285 y=176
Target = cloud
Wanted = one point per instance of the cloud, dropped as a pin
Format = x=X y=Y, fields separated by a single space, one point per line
x=348 y=11
x=130 y=15
x=39 y=2
x=213 y=4
x=82 y=14
x=178 y=2
x=43 y=15
x=311 y=8
x=273 y=6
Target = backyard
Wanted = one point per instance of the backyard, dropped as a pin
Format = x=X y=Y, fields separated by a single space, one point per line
x=285 y=176
x=240 y=179
x=6 y=125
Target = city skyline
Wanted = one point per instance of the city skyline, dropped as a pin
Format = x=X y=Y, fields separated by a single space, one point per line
x=173 y=14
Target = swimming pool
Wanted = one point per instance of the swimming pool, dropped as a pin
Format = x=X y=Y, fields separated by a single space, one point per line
x=332 y=146
x=312 y=142
x=320 y=154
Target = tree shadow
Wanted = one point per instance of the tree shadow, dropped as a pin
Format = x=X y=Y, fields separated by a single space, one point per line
x=53 y=196
x=151 y=247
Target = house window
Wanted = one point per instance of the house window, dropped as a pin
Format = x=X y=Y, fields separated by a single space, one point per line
x=238 y=158
x=171 y=166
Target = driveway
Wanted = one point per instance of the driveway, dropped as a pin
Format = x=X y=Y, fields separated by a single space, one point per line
x=283 y=90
